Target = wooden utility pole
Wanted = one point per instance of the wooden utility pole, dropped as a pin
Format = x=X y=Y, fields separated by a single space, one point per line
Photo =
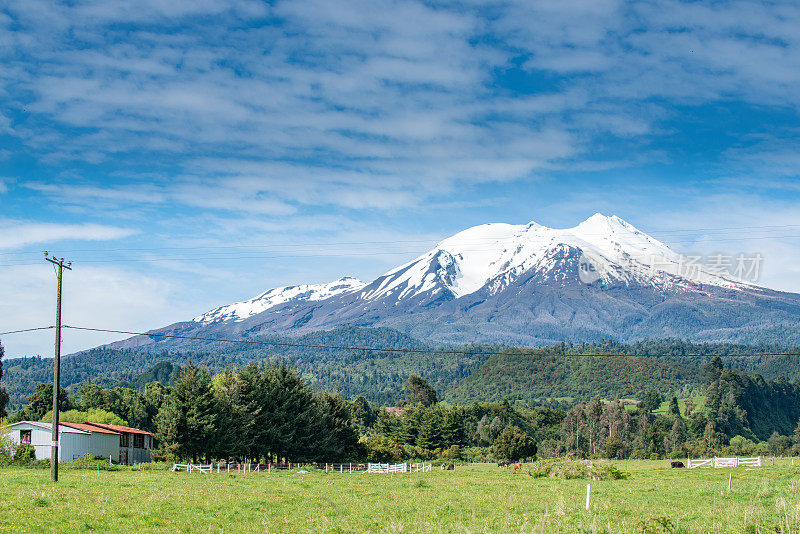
x=60 y=266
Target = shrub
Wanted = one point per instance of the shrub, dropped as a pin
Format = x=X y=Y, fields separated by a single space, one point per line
x=380 y=449
x=24 y=453
x=514 y=444
x=6 y=445
x=575 y=469
x=453 y=453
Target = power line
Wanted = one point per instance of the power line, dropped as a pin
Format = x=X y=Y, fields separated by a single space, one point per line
x=27 y=330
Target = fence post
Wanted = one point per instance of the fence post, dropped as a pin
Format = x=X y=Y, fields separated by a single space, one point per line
x=730 y=478
x=588 y=495
x=341 y=468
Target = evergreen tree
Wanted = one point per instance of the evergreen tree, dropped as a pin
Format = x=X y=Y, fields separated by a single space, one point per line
x=363 y=414
x=410 y=426
x=171 y=429
x=452 y=428
x=430 y=430
x=673 y=408
x=231 y=438
x=3 y=394
x=650 y=401
x=336 y=438
x=195 y=402
x=420 y=392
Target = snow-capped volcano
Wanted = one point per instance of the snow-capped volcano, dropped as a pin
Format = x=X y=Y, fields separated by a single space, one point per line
x=525 y=284
x=240 y=311
x=498 y=253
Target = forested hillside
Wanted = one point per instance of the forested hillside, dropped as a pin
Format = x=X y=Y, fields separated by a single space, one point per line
x=534 y=376
x=378 y=375
x=525 y=377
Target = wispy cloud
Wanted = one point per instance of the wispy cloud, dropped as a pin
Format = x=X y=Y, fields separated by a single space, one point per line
x=16 y=234
x=372 y=104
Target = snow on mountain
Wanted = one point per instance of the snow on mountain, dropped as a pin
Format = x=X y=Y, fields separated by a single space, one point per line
x=492 y=257
x=304 y=292
x=497 y=253
x=525 y=284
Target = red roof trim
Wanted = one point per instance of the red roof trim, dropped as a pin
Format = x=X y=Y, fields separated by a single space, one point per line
x=120 y=428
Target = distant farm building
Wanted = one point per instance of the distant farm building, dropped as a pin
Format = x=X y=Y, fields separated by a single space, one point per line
x=134 y=444
x=122 y=444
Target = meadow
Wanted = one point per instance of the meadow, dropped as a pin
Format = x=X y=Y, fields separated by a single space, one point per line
x=473 y=498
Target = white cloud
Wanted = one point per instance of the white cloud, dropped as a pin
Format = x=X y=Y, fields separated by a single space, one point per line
x=397 y=91
x=102 y=297
x=16 y=234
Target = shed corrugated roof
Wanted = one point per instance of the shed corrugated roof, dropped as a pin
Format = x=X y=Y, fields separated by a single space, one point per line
x=74 y=428
x=89 y=428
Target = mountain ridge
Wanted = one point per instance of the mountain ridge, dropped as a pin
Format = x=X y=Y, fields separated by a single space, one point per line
x=521 y=284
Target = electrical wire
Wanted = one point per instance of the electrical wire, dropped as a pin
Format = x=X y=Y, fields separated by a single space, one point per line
x=369 y=349
x=27 y=330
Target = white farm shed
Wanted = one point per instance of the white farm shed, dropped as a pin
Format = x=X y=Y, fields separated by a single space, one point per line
x=75 y=440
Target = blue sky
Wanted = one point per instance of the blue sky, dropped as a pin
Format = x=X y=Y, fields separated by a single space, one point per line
x=186 y=154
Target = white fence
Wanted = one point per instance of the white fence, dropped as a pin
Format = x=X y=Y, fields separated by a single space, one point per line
x=191 y=467
x=329 y=468
x=387 y=468
x=750 y=462
x=724 y=462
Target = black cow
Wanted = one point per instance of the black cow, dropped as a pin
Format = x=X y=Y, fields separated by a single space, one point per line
x=676 y=464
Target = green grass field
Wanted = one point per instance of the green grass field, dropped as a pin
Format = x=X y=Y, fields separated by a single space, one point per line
x=477 y=498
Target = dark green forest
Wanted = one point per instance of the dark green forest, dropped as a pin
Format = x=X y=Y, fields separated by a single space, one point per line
x=268 y=412
x=523 y=377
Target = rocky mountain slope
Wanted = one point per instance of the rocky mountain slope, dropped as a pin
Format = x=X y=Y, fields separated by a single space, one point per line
x=523 y=285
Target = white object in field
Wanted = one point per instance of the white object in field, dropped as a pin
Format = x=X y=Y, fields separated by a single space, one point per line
x=208 y=469
x=387 y=468
x=724 y=462
x=588 y=495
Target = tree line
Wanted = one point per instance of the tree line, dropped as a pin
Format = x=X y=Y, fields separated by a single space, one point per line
x=268 y=412
x=3 y=393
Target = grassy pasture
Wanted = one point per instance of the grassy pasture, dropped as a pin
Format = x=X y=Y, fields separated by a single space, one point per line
x=478 y=498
